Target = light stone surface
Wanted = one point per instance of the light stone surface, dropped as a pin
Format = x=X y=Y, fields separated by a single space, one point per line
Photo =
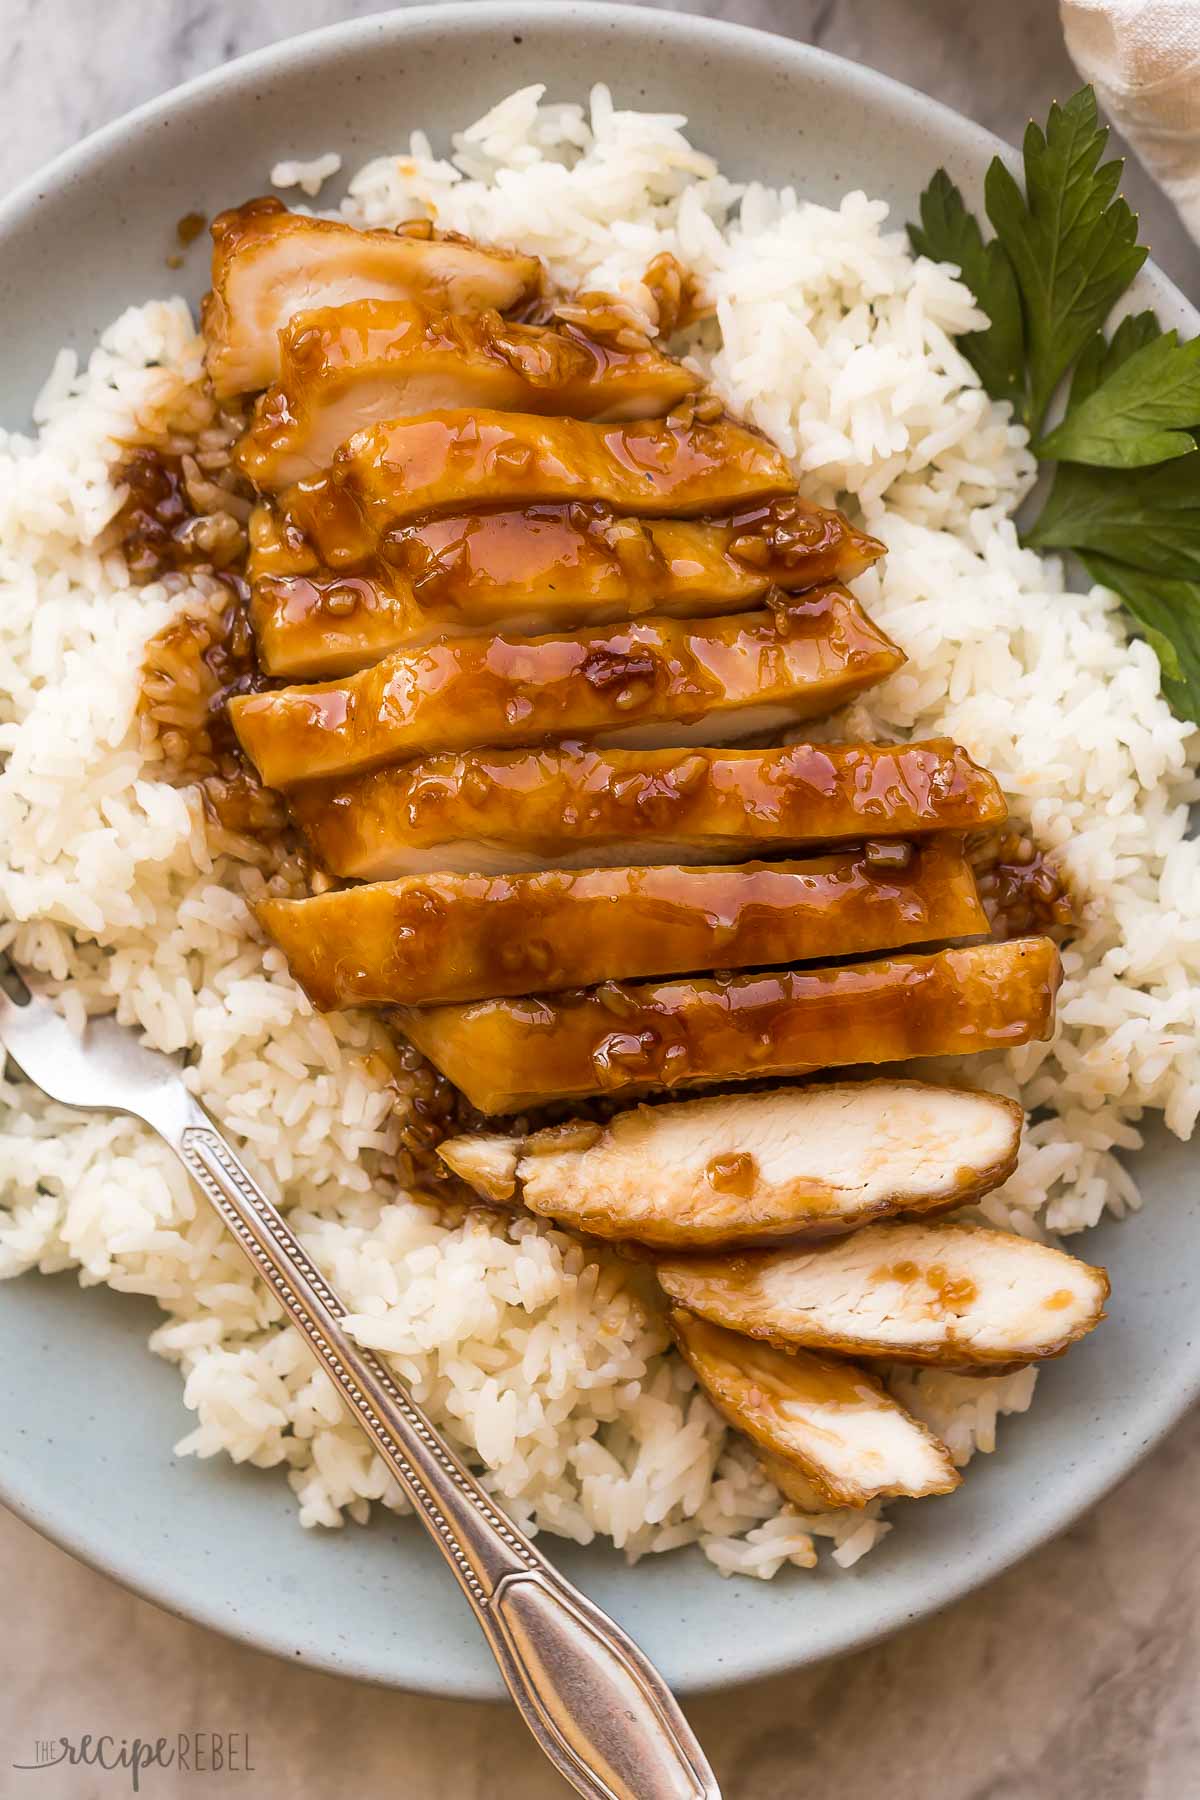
x=1074 y=1677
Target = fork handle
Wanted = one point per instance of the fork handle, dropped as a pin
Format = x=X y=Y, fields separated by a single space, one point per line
x=597 y=1706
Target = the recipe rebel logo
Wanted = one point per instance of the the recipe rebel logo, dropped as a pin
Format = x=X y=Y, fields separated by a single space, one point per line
x=188 y=1752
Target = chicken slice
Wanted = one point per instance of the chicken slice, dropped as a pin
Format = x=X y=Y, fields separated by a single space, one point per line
x=747 y=1168
x=458 y=461
x=572 y=806
x=438 y=938
x=346 y=368
x=548 y=568
x=269 y=264
x=507 y=1055
x=958 y=1295
x=833 y=1424
x=658 y=681
x=792 y=1484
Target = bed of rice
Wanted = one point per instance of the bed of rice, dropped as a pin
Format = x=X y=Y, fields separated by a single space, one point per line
x=546 y=1362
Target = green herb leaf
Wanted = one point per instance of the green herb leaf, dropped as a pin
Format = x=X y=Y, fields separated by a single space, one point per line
x=1168 y=616
x=1139 y=415
x=949 y=233
x=1147 y=517
x=1071 y=240
x=1126 y=495
x=1100 y=359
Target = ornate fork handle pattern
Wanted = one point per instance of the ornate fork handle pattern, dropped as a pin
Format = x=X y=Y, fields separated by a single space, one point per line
x=598 y=1708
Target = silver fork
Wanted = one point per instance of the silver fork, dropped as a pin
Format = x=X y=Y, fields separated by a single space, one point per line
x=597 y=1706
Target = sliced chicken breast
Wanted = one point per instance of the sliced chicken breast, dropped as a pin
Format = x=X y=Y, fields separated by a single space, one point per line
x=746 y=1168
x=846 y=1439
x=572 y=806
x=269 y=264
x=507 y=1055
x=346 y=368
x=794 y=1486
x=658 y=681
x=458 y=461
x=957 y=1295
x=432 y=939
x=548 y=568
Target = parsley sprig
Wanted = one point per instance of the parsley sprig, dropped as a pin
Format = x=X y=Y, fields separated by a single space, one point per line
x=949 y=233
x=1141 y=411
x=1126 y=490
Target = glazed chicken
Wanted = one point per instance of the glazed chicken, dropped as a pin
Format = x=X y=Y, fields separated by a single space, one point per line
x=346 y=368
x=269 y=264
x=547 y=568
x=429 y=939
x=460 y=460
x=743 y=1169
x=792 y=1484
x=956 y=1295
x=659 y=681
x=507 y=1055
x=572 y=806
x=524 y=570
x=846 y=1439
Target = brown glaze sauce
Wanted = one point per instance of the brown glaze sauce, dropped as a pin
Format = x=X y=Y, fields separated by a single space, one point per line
x=757 y=1378
x=188 y=229
x=676 y=295
x=158 y=527
x=712 y=1027
x=507 y=547
x=787 y=540
x=789 y=796
x=483 y=359
x=1023 y=889
x=454 y=692
x=205 y=654
x=548 y=356
x=902 y=1272
x=555 y=566
x=673 y=289
x=952 y=1293
x=435 y=1109
x=733 y=1174
x=190 y=670
x=699 y=1030
x=445 y=461
x=440 y=938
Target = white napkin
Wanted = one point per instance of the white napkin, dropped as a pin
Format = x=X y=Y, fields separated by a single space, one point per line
x=1143 y=59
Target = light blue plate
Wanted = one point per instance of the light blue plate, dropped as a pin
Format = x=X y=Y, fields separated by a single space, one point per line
x=88 y=1415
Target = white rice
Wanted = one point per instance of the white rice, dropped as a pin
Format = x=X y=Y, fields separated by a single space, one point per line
x=310 y=177
x=545 y=1362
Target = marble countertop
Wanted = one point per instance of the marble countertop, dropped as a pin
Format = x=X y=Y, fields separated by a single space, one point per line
x=1074 y=1677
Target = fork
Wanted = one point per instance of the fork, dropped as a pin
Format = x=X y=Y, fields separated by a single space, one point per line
x=596 y=1705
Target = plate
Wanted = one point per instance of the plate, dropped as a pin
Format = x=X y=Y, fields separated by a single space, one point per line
x=89 y=1416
